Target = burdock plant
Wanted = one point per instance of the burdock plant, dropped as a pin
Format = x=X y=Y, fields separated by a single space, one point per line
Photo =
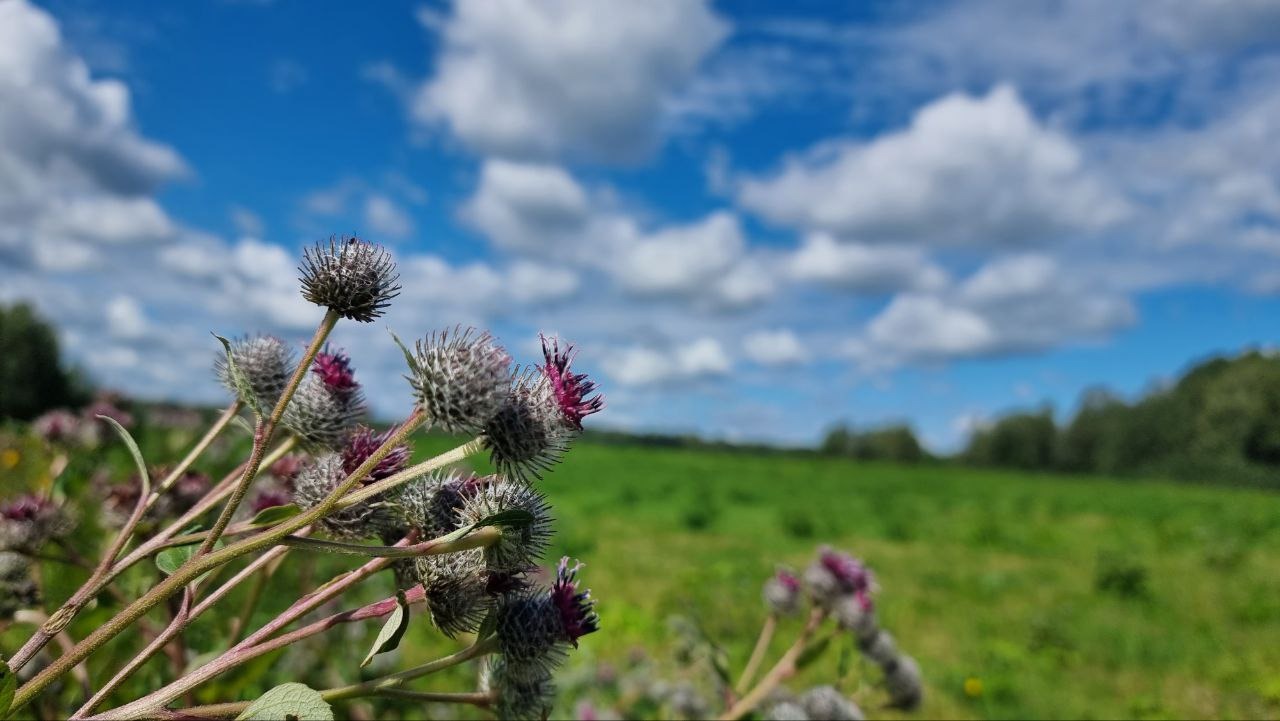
x=463 y=547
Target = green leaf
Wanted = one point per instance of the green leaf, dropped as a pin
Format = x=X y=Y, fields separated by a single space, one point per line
x=458 y=534
x=813 y=652
x=171 y=559
x=243 y=388
x=515 y=518
x=134 y=451
x=392 y=631
x=275 y=514
x=408 y=356
x=8 y=687
x=488 y=626
x=288 y=701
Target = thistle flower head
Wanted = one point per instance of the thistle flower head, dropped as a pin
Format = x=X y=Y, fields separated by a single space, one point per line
x=334 y=368
x=520 y=545
x=782 y=592
x=835 y=574
x=351 y=277
x=57 y=426
x=787 y=711
x=321 y=415
x=27 y=522
x=527 y=435
x=317 y=480
x=286 y=469
x=108 y=404
x=459 y=378
x=17 y=589
x=902 y=681
x=572 y=391
x=360 y=447
x=265 y=362
x=879 y=647
x=455 y=586
x=531 y=633
x=825 y=702
x=522 y=693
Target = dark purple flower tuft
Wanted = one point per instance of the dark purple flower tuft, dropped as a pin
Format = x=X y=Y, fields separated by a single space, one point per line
x=577 y=610
x=571 y=390
x=334 y=368
x=56 y=426
x=788 y=580
x=270 y=498
x=361 y=445
x=286 y=469
x=26 y=508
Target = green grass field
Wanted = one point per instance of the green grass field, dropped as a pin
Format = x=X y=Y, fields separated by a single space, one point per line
x=1065 y=597
x=1054 y=597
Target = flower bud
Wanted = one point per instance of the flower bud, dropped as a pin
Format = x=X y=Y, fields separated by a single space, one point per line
x=879 y=647
x=351 y=277
x=903 y=682
x=534 y=627
x=57 y=426
x=27 y=522
x=455 y=586
x=835 y=575
x=521 y=694
x=787 y=711
x=825 y=702
x=782 y=593
x=316 y=481
x=431 y=505
x=520 y=545
x=265 y=362
x=459 y=379
x=17 y=589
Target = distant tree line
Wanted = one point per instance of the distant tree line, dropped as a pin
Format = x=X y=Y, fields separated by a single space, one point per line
x=1220 y=422
x=894 y=442
x=33 y=378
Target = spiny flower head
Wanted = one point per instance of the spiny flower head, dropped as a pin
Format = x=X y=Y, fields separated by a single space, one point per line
x=459 y=378
x=320 y=414
x=782 y=592
x=522 y=693
x=534 y=627
x=527 y=435
x=351 y=277
x=520 y=545
x=430 y=505
x=570 y=390
x=455 y=585
x=265 y=362
x=902 y=681
x=317 y=480
x=334 y=368
x=360 y=447
x=835 y=575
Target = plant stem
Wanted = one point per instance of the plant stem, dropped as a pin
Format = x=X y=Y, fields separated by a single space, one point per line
x=785 y=667
x=374 y=687
x=457 y=454
x=241 y=620
x=196 y=451
x=196 y=566
x=476 y=539
x=757 y=654
x=265 y=429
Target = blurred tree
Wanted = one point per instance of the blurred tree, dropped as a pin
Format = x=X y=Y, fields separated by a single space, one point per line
x=896 y=442
x=32 y=377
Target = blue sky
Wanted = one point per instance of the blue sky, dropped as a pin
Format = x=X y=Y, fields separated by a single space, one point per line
x=755 y=219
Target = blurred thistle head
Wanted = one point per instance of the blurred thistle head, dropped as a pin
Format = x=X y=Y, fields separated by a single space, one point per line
x=326 y=406
x=879 y=646
x=459 y=378
x=361 y=445
x=527 y=435
x=266 y=363
x=825 y=702
x=351 y=277
x=835 y=574
x=57 y=426
x=317 y=480
x=270 y=498
x=27 y=522
x=782 y=592
x=17 y=588
x=455 y=586
x=902 y=681
x=107 y=403
x=788 y=711
x=572 y=391
x=521 y=693
x=521 y=545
